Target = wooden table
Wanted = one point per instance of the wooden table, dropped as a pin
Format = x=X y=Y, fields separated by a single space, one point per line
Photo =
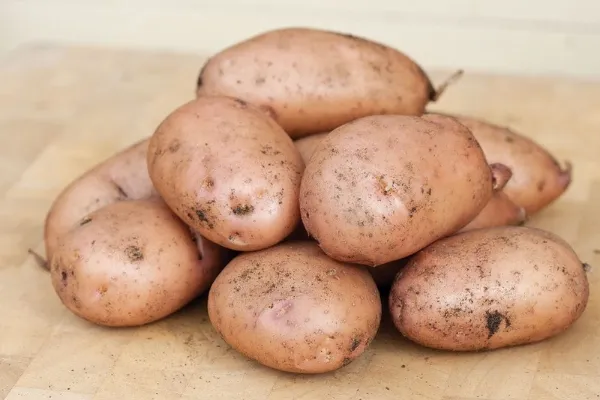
x=63 y=109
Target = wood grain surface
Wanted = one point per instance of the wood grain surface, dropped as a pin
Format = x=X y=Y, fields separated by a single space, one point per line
x=63 y=109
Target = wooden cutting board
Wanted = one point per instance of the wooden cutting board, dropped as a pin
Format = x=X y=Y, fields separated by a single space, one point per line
x=63 y=109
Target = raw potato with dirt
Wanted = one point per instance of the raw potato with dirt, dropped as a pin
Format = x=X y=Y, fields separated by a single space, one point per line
x=538 y=179
x=488 y=289
x=292 y=308
x=380 y=188
x=123 y=176
x=313 y=80
x=131 y=263
x=229 y=171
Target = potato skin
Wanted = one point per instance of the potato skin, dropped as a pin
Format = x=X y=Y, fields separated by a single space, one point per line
x=131 y=263
x=308 y=144
x=499 y=211
x=313 y=80
x=123 y=176
x=537 y=179
x=228 y=171
x=488 y=289
x=292 y=308
x=383 y=187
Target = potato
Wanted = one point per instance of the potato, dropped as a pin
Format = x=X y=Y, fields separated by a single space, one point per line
x=229 y=171
x=537 y=179
x=380 y=188
x=499 y=211
x=308 y=144
x=313 y=80
x=292 y=308
x=121 y=177
x=131 y=263
x=488 y=289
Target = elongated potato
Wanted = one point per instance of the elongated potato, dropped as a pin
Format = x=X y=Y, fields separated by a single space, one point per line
x=537 y=179
x=229 y=171
x=383 y=187
x=121 y=177
x=488 y=289
x=292 y=308
x=499 y=211
x=131 y=263
x=313 y=80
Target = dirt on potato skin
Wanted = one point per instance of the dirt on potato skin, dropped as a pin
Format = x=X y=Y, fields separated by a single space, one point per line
x=124 y=176
x=132 y=263
x=238 y=186
x=292 y=308
x=367 y=199
x=488 y=272
x=312 y=80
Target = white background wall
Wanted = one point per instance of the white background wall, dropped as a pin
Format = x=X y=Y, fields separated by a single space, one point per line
x=508 y=36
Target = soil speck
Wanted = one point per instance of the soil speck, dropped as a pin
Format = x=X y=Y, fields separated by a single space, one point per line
x=493 y=321
x=355 y=344
x=84 y=221
x=243 y=210
x=134 y=253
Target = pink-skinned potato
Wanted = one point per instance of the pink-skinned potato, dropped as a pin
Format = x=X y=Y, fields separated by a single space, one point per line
x=314 y=80
x=228 y=171
x=489 y=288
x=538 y=179
x=124 y=176
x=292 y=308
x=381 y=188
x=131 y=263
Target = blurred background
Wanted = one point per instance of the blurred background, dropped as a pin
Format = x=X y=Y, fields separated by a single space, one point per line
x=547 y=37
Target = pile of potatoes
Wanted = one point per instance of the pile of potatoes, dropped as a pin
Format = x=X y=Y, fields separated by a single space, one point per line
x=307 y=190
